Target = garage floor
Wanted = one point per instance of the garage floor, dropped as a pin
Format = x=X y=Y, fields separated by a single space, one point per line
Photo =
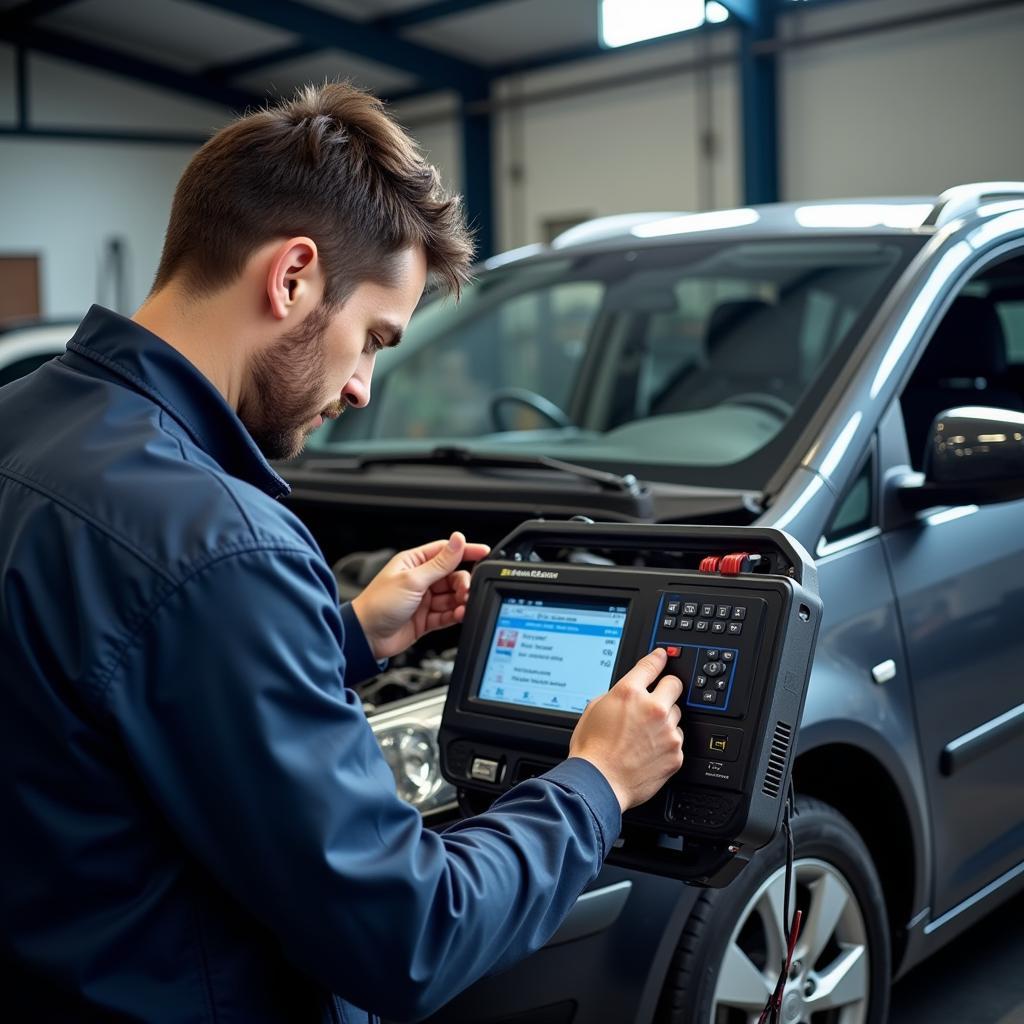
x=978 y=979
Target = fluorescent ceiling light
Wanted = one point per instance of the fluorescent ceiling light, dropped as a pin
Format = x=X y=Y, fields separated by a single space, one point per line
x=716 y=12
x=631 y=21
x=693 y=222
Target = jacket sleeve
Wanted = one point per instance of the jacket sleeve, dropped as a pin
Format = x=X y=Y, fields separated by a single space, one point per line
x=232 y=705
x=360 y=663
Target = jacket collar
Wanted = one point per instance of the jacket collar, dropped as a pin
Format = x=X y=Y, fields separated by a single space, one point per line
x=148 y=365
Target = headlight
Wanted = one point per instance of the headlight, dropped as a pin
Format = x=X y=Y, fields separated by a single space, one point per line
x=408 y=738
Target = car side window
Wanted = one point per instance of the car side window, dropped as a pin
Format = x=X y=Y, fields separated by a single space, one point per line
x=856 y=512
x=975 y=355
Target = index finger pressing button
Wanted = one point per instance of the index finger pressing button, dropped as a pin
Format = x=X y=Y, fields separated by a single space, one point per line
x=668 y=690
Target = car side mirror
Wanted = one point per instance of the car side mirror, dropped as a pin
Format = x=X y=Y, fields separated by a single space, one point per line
x=975 y=456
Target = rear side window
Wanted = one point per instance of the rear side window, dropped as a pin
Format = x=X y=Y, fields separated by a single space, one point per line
x=856 y=512
x=1011 y=314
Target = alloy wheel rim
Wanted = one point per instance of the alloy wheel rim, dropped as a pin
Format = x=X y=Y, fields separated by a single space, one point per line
x=830 y=979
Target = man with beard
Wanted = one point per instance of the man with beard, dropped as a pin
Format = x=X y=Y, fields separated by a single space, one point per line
x=198 y=823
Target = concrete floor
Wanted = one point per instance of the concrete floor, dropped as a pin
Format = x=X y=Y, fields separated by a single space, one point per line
x=977 y=979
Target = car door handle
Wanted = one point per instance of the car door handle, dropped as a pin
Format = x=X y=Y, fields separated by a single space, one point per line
x=884 y=671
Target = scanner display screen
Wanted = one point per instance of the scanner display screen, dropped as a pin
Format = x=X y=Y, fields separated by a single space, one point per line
x=552 y=653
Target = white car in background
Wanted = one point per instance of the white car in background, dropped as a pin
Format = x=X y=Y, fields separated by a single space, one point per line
x=27 y=344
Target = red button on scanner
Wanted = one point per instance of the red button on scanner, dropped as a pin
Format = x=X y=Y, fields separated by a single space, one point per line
x=673 y=652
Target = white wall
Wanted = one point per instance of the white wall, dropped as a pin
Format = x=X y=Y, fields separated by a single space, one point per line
x=433 y=122
x=63 y=200
x=908 y=111
x=617 y=147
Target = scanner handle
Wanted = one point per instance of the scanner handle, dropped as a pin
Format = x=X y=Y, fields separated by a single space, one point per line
x=786 y=555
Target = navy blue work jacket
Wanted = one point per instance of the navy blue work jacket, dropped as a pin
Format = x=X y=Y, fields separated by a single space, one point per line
x=197 y=822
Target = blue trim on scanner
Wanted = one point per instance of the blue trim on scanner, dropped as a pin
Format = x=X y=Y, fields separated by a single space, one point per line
x=732 y=676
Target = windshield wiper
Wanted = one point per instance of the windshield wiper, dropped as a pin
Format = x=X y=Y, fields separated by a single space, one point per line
x=454 y=455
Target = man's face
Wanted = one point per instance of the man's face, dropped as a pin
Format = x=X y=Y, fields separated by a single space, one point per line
x=325 y=363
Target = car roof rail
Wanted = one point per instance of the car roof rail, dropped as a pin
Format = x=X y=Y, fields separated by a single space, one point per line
x=965 y=199
x=600 y=228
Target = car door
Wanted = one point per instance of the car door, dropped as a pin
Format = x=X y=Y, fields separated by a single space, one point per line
x=958 y=574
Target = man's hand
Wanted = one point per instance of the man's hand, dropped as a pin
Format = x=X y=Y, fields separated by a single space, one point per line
x=631 y=735
x=416 y=592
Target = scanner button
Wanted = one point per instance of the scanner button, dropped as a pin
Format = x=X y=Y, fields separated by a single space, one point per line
x=711 y=653
x=714 y=668
x=709 y=697
x=668 y=622
x=484 y=769
x=718 y=744
x=723 y=611
x=671 y=607
x=686 y=623
x=719 y=627
x=701 y=625
x=673 y=652
x=700 y=682
x=689 y=607
x=739 y=613
x=735 y=628
x=728 y=656
x=721 y=684
x=707 y=611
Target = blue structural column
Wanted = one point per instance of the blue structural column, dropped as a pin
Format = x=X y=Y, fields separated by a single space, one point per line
x=21 y=73
x=758 y=99
x=478 y=166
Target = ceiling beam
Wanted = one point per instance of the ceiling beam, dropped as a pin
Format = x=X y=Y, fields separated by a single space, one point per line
x=388 y=23
x=431 y=12
x=320 y=28
x=56 y=44
x=246 y=65
x=749 y=12
x=595 y=49
x=101 y=135
x=30 y=10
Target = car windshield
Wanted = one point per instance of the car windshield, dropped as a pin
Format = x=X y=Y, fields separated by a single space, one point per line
x=689 y=363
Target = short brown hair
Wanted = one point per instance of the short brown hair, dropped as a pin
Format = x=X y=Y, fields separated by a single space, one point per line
x=330 y=164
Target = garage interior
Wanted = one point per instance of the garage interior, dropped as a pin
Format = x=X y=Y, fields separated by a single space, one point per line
x=543 y=121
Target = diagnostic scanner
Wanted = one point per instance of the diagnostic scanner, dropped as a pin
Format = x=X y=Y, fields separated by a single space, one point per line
x=560 y=611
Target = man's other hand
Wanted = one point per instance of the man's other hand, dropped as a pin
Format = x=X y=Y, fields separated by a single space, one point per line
x=417 y=591
x=631 y=734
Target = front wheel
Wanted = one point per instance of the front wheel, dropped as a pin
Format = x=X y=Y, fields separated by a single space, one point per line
x=732 y=948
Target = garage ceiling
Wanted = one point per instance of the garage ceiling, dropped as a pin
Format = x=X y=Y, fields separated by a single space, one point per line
x=261 y=47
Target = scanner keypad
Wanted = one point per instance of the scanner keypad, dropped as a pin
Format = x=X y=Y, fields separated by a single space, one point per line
x=706 y=665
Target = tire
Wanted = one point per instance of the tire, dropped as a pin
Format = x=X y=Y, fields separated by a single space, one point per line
x=729 y=954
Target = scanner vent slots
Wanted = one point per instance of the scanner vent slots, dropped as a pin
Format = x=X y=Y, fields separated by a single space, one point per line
x=777 y=760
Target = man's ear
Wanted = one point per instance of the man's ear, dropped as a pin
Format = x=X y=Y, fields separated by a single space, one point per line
x=294 y=279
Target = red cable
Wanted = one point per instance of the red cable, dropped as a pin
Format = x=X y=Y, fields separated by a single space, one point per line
x=732 y=565
x=774 y=1006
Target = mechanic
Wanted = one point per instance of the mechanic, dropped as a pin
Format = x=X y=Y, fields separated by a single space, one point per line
x=198 y=823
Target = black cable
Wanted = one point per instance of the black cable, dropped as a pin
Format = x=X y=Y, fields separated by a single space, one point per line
x=770 y=1013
